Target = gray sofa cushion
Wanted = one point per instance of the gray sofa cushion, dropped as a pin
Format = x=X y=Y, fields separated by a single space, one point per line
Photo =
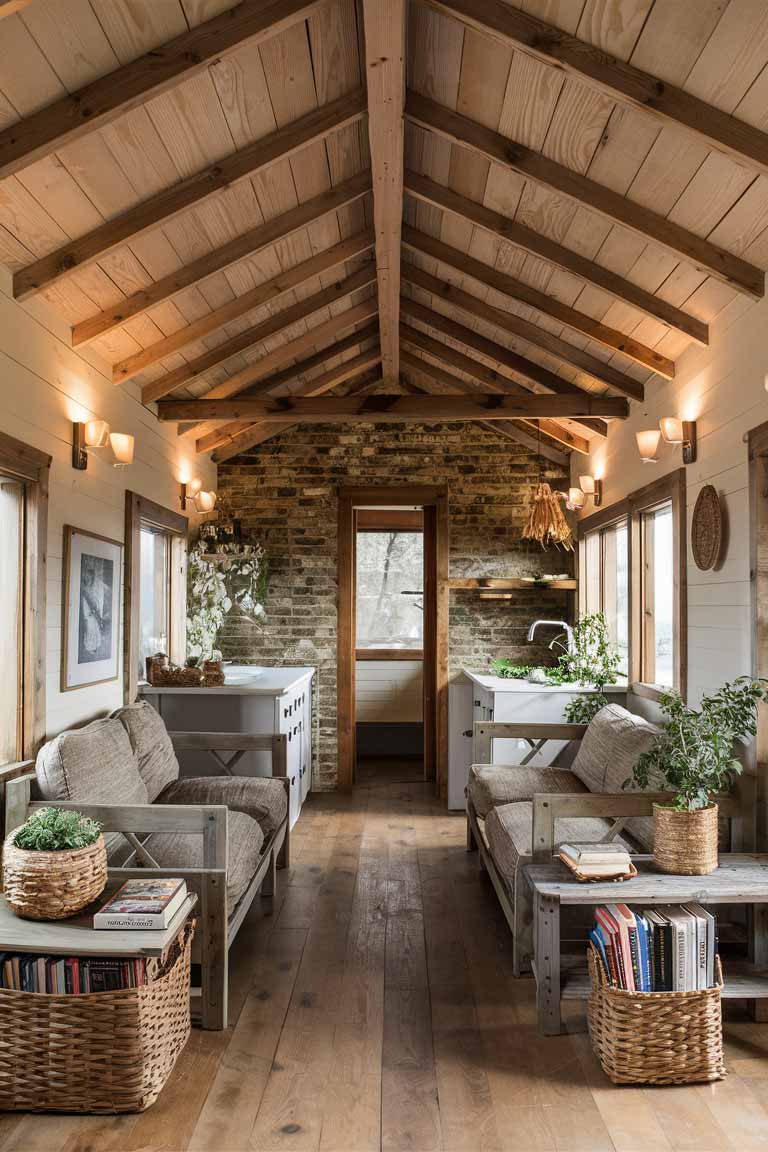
x=244 y=842
x=95 y=765
x=489 y=785
x=612 y=745
x=260 y=797
x=508 y=830
x=150 y=741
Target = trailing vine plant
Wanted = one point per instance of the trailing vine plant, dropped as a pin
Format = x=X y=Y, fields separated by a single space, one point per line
x=594 y=662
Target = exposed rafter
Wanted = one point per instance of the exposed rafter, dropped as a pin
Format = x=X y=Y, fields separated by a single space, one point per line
x=246 y=244
x=483 y=379
x=706 y=257
x=292 y=350
x=621 y=81
x=504 y=359
x=521 y=236
x=157 y=210
x=103 y=100
x=274 y=324
x=384 y=408
x=509 y=322
x=500 y=281
x=384 y=22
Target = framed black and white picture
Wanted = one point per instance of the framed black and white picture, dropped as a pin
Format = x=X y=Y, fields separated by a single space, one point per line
x=91 y=609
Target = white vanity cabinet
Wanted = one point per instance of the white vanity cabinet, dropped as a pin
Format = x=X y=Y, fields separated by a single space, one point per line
x=253 y=700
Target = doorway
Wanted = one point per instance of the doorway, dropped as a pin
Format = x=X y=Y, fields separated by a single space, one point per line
x=392 y=634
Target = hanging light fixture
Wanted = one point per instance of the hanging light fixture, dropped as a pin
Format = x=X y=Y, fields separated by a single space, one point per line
x=647 y=445
x=593 y=487
x=87 y=434
x=122 y=447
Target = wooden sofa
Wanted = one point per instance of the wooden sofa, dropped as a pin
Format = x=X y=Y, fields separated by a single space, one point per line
x=518 y=814
x=225 y=834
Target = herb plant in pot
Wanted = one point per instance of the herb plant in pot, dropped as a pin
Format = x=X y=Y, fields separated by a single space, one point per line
x=694 y=758
x=54 y=864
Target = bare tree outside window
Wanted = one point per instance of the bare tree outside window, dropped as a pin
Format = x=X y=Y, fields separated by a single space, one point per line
x=390 y=579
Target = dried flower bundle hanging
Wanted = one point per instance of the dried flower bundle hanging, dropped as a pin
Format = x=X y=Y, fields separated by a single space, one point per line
x=546 y=523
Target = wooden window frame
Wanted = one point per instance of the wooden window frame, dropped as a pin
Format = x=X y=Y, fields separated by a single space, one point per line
x=139 y=511
x=633 y=508
x=32 y=467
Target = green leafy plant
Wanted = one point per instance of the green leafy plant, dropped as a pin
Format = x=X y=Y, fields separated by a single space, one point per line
x=584 y=707
x=693 y=756
x=56 y=830
x=238 y=579
x=509 y=671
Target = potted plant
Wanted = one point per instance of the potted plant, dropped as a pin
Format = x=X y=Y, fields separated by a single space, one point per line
x=693 y=758
x=54 y=864
x=593 y=662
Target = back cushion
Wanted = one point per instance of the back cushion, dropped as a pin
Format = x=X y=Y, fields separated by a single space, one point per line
x=612 y=745
x=150 y=741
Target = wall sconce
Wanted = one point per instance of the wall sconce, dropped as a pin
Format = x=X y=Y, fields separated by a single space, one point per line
x=188 y=490
x=575 y=499
x=85 y=435
x=674 y=431
x=122 y=447
x=647 y=445
x=590 y=486
x=205 y=501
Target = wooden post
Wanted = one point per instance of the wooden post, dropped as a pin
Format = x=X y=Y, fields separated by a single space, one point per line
x=214 y=951
x=548 y=965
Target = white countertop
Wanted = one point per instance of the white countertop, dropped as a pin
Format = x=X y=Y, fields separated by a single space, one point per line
x=502 y=684
x=244 y=680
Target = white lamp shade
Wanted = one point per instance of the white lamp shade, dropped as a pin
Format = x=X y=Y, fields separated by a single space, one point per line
x=194 y=486
x=96 y=434
x=648 y=443
x=587 y=484
x=576 y=497
x=205 y=501
x=122 y=446
x=671 y=429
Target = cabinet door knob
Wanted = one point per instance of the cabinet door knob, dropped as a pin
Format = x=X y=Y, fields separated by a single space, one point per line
x=477 y=703
x=467 y=732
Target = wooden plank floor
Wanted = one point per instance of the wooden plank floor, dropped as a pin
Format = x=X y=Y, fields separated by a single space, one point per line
x=373 y=1007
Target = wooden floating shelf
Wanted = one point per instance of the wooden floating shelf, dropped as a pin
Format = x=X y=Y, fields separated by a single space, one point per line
x=494 y=584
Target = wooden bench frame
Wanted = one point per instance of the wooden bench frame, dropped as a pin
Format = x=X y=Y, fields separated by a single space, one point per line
x=216 y=929
x=548 y=807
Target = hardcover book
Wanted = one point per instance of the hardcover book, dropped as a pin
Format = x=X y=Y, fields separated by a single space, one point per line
x=142 y=904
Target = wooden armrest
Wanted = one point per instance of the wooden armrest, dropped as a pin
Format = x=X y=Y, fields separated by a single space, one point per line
x=237 y=742
x=17 y=770
x=485 y=732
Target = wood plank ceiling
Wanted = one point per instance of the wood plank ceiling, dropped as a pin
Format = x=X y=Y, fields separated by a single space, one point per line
x=285 y=198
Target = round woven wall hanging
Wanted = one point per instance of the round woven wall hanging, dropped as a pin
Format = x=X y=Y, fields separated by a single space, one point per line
x=707 y=528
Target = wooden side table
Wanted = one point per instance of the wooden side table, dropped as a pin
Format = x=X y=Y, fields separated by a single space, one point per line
x=740 y=879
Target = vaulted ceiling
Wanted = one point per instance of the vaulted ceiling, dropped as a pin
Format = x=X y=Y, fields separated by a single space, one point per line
x=515 y=213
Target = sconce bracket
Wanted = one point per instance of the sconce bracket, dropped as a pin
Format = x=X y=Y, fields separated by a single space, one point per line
x=689 y=441
x=79 y=454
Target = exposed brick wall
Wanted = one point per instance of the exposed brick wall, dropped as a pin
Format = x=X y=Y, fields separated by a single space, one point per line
x=284 y=491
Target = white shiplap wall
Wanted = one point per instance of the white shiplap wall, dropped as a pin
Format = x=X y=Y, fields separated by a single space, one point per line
x=723 y=388
x=44 y=385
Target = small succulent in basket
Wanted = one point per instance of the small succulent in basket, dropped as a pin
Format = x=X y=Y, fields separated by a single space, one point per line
x=54 y=864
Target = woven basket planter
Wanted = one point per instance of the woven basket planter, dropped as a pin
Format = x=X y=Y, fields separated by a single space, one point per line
x=655 y=1037
x=685 y=843
x=97 y=1052
x=52 y=885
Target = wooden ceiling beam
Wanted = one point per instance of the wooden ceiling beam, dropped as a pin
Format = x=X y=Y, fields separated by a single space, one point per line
x=273 y=325
x=262 y=294
x=323 y=383
x=292 y=350
x=246 y=244
x=509 y=322
x=168 y=203
x=524 y=434
x=593 y=66
x=504 y=359
x=384 y=25
x=103 y=100
x=422 y=188
x=499 y=281
x=382 y=408
x=685 y=245
x=483 y=379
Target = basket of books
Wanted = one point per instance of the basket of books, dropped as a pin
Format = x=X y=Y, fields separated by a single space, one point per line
x=104 y=1051
x=654 y=1008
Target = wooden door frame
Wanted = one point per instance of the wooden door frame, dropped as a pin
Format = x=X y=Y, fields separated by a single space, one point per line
x=434 y=500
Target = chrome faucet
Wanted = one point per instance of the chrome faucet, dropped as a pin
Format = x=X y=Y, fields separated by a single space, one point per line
x=554 y=624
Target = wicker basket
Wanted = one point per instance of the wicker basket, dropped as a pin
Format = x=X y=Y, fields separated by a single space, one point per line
x=685 y=843
x=52 y=885
x=655 y=1037
x=98 y=1052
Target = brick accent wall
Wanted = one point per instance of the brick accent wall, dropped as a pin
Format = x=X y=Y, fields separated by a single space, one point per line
x=284 y=492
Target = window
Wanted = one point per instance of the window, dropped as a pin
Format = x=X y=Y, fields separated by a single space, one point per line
x=632 y=571
x=23 y=531
x=154 y=595
x=389 y=596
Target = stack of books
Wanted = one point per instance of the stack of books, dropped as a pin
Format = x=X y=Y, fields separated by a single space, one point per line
x=142 y=904
x=596 y=861
x=670 y=948
x=71 y=975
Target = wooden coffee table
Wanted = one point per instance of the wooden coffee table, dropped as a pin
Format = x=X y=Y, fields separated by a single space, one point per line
x=740 y=879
